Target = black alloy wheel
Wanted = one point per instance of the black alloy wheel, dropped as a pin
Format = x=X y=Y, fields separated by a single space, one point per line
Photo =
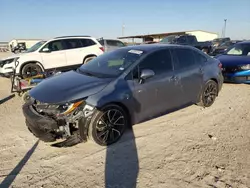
x=210 y=93
x=108 y=125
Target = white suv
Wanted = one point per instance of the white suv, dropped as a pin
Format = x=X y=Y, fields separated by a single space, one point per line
x=63 y=53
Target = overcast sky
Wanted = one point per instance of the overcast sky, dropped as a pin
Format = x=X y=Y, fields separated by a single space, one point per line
x=104 y=18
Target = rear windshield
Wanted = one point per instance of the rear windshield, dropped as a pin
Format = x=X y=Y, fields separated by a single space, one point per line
x=101 y=42
x=168 y=39
x=116 y=43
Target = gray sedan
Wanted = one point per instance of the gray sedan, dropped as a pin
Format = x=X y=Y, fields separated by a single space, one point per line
x=121 y=88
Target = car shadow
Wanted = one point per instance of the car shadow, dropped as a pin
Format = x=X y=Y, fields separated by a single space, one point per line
x=7 y=98
x=122 y=164
x=8 y=180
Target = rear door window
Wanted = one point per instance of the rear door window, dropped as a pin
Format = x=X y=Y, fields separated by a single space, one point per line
x=87 y=42
x=185 y=58
x=199 y=58
x=72 y=43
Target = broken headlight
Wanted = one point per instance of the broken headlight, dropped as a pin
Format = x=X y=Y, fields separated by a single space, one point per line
x=54 y=109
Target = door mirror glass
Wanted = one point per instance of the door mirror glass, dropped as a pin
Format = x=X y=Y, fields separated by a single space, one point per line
x=146 y=74
x=46 y=50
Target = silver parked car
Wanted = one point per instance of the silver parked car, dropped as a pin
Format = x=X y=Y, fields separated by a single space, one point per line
x=121 y=88
x=110 y=44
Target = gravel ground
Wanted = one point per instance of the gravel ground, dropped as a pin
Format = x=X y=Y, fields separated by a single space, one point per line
x=193 y=147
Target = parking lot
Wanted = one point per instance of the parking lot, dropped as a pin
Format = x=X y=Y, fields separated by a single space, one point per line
x=193 y=147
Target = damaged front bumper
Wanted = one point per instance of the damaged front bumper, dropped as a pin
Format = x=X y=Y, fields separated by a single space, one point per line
x=49 y=129
x=41 y=126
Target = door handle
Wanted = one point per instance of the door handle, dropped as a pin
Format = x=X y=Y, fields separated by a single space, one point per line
x=201 y=70
x=174 y=78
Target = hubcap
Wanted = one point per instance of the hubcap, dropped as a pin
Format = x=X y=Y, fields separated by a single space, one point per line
x=210 y=94
x=110 y=126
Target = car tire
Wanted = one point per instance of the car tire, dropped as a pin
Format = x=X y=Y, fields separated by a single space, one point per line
x=86 y=60
x=30 y=67
x=209 y=94
x=108 y=125
x=46 y=137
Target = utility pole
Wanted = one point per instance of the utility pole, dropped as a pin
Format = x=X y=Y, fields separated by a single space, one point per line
x=123 y=29
x=225 y=26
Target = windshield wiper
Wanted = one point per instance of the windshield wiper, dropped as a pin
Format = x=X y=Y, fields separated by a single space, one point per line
x=86 y=73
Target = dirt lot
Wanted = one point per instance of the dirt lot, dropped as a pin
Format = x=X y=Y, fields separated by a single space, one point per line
x=193 y=147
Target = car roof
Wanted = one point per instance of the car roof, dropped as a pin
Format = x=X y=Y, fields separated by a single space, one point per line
x=153 y=47
x=76 y=36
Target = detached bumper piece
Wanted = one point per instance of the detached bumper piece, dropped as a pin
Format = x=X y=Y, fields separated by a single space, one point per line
x=42 y=127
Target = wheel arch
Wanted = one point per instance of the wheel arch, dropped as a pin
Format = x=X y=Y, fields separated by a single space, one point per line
x=30 y=62
x=124 y=107
x=202 y=88
x=87 y=56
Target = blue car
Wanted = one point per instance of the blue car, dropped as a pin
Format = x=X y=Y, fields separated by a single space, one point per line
x=236 y=63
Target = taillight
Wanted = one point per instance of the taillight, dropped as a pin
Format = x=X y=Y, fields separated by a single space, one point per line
x=220 y=65
x=101 y=48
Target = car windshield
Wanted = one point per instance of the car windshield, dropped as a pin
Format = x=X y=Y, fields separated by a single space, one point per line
x=239 y=49
x=111 y=64
x=224 y=44
x=168 y=39
x=35 y=46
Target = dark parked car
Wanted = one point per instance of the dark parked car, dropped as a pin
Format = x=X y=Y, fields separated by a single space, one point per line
x=222 y=48
x=216 y=42
x=121 y=88
x=236 y=63
x=190 y=40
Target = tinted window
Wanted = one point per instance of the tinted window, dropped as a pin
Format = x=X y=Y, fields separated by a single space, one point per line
x=185 y=58
x=199 y=57
x=160 y=62
x=55 y=45
x=73 y=43
x=87 y=42
x=191 y=39
x=114 y=43
x=182 y=40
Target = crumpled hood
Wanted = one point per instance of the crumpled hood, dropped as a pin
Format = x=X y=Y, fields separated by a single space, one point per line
x=233 y=60
x=66 y=87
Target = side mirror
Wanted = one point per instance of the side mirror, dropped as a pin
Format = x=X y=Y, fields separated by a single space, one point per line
x=146 y=74
x=46 y=50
